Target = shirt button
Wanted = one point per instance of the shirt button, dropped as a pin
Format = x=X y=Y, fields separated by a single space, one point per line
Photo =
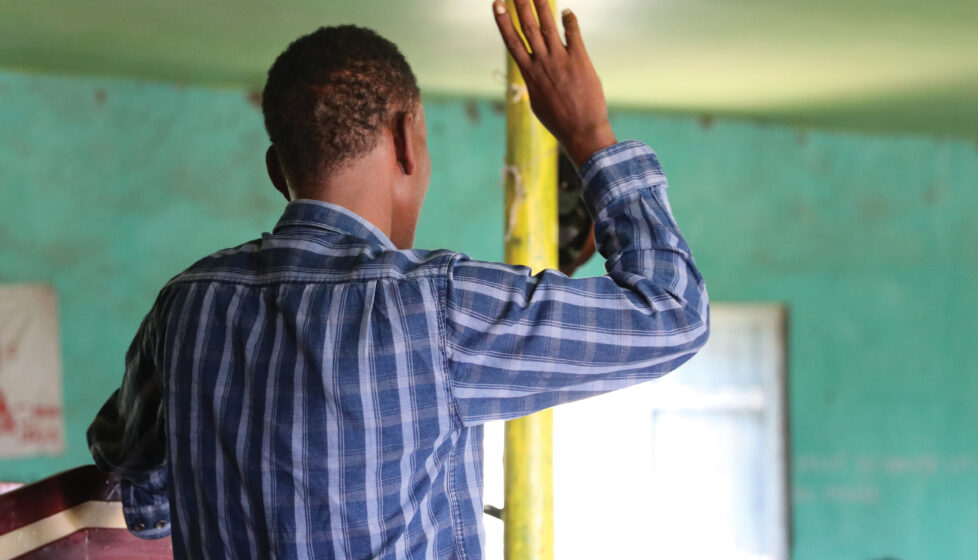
x=139 y=527
x=160 y=524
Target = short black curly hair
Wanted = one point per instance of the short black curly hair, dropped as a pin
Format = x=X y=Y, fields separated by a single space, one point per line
x=329 y=94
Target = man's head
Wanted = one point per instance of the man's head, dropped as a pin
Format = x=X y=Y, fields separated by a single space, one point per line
x=336 y=96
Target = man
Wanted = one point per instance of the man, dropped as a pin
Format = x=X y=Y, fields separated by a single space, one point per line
x=319 y=392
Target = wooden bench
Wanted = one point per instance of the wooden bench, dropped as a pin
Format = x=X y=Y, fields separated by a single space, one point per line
x=72 y=515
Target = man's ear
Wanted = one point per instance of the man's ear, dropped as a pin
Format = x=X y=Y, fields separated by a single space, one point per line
x=274 y=167
x=404 y=145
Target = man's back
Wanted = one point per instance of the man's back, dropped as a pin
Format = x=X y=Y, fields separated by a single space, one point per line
x=307 y=399
x=317 y=393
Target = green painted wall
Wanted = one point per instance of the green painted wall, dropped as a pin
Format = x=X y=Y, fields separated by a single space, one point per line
x=108 y=188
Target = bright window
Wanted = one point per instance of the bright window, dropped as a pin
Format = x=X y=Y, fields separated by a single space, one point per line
x=687 y=467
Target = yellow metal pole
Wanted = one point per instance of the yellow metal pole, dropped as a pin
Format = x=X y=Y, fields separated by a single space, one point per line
x=531 y=240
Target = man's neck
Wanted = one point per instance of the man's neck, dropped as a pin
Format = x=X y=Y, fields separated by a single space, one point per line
x=363 y=186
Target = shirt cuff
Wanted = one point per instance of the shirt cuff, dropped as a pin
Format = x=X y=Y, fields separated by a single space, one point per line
x=146 y=506
x=618 y=169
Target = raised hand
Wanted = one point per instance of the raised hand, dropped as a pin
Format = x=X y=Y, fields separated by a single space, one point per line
x=565 y=92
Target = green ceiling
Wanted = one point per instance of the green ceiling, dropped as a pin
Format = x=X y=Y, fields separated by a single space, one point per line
x=873 y=65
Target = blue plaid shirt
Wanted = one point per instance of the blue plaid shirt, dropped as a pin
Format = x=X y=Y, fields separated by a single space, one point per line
x=317 y=393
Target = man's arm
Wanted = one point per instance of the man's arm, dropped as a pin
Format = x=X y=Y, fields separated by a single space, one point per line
x=127 y=439
x=518 y=343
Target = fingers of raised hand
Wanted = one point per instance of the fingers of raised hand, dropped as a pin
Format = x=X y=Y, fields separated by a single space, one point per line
x=548 y=27
x=514 y=44
x=530 y=26
x=572 y=32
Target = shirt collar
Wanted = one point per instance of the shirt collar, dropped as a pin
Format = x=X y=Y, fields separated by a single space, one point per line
x=306 y=213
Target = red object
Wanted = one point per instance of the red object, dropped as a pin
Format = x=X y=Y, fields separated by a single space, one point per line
x=35 y=502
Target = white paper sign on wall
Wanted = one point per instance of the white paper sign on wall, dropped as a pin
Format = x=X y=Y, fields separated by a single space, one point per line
x=31 y=415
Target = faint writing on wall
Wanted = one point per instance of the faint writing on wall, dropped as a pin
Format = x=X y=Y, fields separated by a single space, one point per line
x=863 y=479
x=916 y=465
x=31 y=419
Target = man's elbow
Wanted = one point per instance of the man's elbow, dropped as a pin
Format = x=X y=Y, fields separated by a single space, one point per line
x=697 y=312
